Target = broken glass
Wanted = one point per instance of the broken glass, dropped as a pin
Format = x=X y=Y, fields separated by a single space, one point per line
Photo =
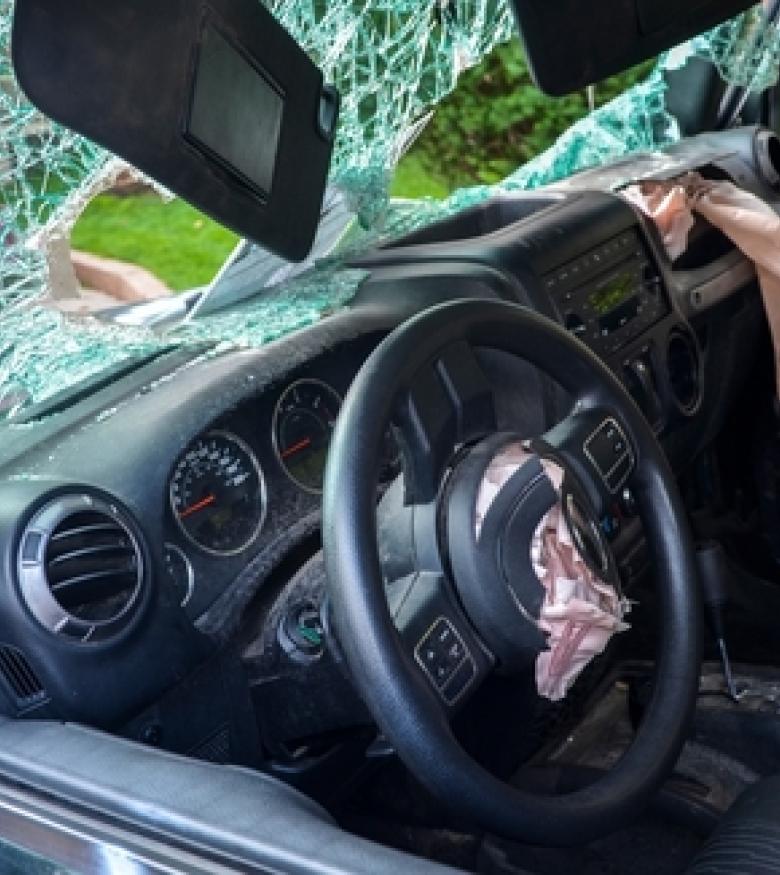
x=392 y=61
x=746 y=52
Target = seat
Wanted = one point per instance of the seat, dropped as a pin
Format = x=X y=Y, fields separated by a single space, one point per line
x=747 y=840
x=249 y=817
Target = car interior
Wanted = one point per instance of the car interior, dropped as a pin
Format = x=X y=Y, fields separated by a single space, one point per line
x=244 y=605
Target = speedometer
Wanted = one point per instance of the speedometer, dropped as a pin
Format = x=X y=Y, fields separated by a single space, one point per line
x=217 y=494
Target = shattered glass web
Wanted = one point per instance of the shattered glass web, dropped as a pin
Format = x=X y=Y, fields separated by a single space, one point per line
x=392 y=60
x=635 y=121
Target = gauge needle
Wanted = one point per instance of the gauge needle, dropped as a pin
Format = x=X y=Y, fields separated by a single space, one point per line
x=295 y=448
x=199 y=505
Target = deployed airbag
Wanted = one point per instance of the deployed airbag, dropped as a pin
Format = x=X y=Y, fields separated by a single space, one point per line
x=750 y=223
x=580 y=612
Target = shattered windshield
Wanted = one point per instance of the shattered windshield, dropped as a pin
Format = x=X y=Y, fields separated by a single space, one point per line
x=392 y=61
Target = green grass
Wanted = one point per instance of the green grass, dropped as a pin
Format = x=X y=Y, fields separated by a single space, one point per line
x=180 y=245
x=413 y=179
x=173 y=240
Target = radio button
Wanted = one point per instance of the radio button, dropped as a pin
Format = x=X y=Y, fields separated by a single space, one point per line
x=575 y=324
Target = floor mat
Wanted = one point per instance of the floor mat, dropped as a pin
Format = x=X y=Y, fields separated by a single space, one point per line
x=653 y=846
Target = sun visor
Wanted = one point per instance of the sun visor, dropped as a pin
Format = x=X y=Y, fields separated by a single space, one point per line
x=214 y=100
x=571 y=44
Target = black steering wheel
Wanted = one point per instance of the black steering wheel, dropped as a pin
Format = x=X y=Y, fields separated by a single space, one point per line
x=420 y=635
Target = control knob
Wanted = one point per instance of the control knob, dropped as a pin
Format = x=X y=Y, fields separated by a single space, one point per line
x=638 y=378
x=574 y=323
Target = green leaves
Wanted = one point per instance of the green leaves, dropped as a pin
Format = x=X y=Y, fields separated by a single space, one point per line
x=495 y=121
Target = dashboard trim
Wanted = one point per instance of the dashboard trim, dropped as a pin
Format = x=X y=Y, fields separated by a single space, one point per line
x=725 y=284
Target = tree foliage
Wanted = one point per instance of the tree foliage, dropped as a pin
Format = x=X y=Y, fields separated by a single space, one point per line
x=497 y=119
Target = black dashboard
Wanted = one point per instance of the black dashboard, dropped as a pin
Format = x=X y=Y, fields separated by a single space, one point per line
x=144 y=528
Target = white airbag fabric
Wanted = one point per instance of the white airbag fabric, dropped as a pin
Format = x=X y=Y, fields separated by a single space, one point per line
x=750 y=223
x=580 y=612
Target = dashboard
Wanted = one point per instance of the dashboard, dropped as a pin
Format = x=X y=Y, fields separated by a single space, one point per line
x=170 y=519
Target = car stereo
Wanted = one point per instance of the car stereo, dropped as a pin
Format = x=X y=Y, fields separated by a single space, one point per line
x=610 y=294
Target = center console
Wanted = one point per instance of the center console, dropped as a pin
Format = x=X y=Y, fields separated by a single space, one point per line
x=612 y=297
x=609 y=295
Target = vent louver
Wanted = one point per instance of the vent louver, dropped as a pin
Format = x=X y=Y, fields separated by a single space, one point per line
x=20 y=677
x=91 y=566
x=81 y=568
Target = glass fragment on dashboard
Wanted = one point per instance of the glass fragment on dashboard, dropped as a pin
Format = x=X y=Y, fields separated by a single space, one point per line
x=414 y=53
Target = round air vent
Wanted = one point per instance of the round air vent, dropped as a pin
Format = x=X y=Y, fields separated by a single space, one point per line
x=683 y=368
x=766 y=145
x=81 y=568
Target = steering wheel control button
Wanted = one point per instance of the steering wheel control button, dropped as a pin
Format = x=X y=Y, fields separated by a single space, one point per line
x=628 y=506
x=460 y=682
x=443 y=656
x=610 y=454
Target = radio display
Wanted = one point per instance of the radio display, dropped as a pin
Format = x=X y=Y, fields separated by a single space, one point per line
x=612 y=293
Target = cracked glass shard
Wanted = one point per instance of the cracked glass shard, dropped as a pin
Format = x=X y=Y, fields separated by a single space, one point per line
x=392 y=60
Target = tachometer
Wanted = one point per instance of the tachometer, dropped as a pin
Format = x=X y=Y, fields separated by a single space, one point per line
x=303 y=423
x=217 y=494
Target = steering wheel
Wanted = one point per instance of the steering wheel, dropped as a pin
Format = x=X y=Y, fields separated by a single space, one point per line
x=420 y=635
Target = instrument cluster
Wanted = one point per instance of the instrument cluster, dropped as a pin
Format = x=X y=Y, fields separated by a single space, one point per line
x=222 y=484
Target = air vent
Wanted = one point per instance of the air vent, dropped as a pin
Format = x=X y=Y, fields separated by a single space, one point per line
x=92 y=566
x=80 y=568
x=17 y=672
x=766 y=147
x=683 y=368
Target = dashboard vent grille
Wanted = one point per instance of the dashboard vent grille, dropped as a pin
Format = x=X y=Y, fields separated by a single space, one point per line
x=92 y=566
x=215 y=749
x=20 y=677
x=81 y=568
